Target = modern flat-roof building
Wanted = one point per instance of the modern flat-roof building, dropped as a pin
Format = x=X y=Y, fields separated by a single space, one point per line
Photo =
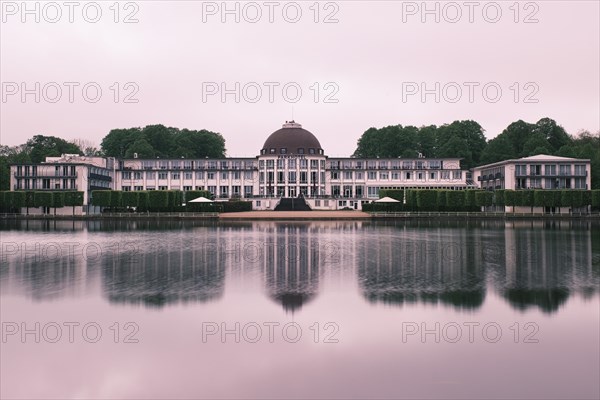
x=535 y=172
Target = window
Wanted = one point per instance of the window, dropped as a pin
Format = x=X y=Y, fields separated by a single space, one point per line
x=433 y=176
x=247 y=191
x=163 y=188
x=176 y=164
x=270 y=164
x=200 y=175
x=303 y=176
x=372 y=191
x=187 y=175
x=384 y=176
x=446 y=175
x=311 y=151
x=224 y=175
x=520 y=170
x=175 y=175
x=300 y=150
x=126 y=188
x=150 y=175
x=210 y=175
x=280 y=163
x=291 y=163
x=248 y=175
x=162 y=175
x=126 y=175
x=187 y=188
x=407 y=176
x=372 y=175
x=348 y=175
x=137 y=175
x=550 y=170
x=280 y=176
x=314 y=164
x=420 y=176
x=283 y=151
x=138 y=188
x=261 y=164
x=224 y=191
x=236 y=175
x=272 y=151
x=212 y=189
x=303 y=163
x=395 y=176
x=292 y=176
x=457 y=175
x=359 y=176
x=257 y=203
x=335 y=175
x=580 y=170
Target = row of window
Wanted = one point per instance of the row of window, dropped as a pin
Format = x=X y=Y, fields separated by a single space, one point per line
x=299 y=150
x=550 y=183
x=191 y=164
x=291 y=163
x=549 y=169
x=45 y=183
x=395 y=176
x=393 y=164
x=200 y=175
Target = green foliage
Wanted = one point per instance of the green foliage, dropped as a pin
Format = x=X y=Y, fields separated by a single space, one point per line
x=39 y=147
x=427 y=200
x=3 y=199
x=510 y=198
x=470 y=198
x=455 y=200
x=441 y=199
x=130 y=199
x=101 y=198
x=566 y=198
x=73 y=199
x=396 y=194
x=499 y=199
x=383 y=207
x=14 y=199
x=143 y=200
x=203 y=207
x=175 y=198
x=116 y=199
x=43 y=199
x=236 y=206
x=158 y=199
x=596 y=198
x=484 y=198
x=158 y=140
x=29 y=199
x=58 y=200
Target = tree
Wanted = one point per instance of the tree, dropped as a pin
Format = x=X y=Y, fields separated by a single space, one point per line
x=158 y=199
x=484 y=198
x=130 y=199
x=537 y=144
x=58 y=200
x=498 y=149
x=140 y=149
x=554 y=134
x=102 y=198
x=43 y=199
x=73 y=199
x=40 y=146
x=116 y=199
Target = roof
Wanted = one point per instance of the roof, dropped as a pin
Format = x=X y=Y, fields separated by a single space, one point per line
x=536 y=158
x=292 y=137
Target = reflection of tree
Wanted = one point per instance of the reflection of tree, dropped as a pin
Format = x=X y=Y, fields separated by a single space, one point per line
x=440 y=268
x=165 y=277
x=548 y=300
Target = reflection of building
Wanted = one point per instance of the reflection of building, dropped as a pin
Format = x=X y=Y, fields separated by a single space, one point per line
x=423 y=265
x=291 y=265
x=159 y=276
x=535 y=172
x=291 y=163
x=544 y=262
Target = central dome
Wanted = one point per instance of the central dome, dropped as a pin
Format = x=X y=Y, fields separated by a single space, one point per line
x=292 y=139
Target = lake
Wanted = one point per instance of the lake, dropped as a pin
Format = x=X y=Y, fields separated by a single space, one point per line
x=332 y=309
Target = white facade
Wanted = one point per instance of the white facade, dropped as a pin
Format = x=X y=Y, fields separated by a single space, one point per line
x=536 y=172
x=290 y=164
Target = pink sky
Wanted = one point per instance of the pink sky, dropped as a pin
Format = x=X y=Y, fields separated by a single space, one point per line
x=369 y=55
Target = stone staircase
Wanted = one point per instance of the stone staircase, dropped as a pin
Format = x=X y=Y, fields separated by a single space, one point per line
x=292 y=204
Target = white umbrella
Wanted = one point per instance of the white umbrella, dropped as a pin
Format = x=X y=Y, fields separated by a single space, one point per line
x=200 y=200
x=386 y=200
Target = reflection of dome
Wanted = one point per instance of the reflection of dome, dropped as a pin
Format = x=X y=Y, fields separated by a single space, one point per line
x=292 y=139
x=292 y=301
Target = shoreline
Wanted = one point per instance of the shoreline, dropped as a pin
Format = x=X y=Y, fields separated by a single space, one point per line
x=307 y=216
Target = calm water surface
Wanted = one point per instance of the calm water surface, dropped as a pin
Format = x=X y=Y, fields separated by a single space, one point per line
x=298 y=310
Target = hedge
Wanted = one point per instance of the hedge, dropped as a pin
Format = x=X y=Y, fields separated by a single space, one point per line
x=130 y=199
x=101 y=198
x=236 y=206
x=383 y=207
x=484 y=198
x=596 y=198
x=158 y=199
x=427 y=200
x=42 y=199
x=116 y=198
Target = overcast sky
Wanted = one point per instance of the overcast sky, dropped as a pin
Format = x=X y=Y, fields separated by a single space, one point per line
x=368 y=64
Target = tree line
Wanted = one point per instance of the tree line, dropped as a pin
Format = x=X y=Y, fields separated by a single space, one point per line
x=149 y=142
x=474 y=200
x=14 y=201
x=465 y=139
x=163 y=201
